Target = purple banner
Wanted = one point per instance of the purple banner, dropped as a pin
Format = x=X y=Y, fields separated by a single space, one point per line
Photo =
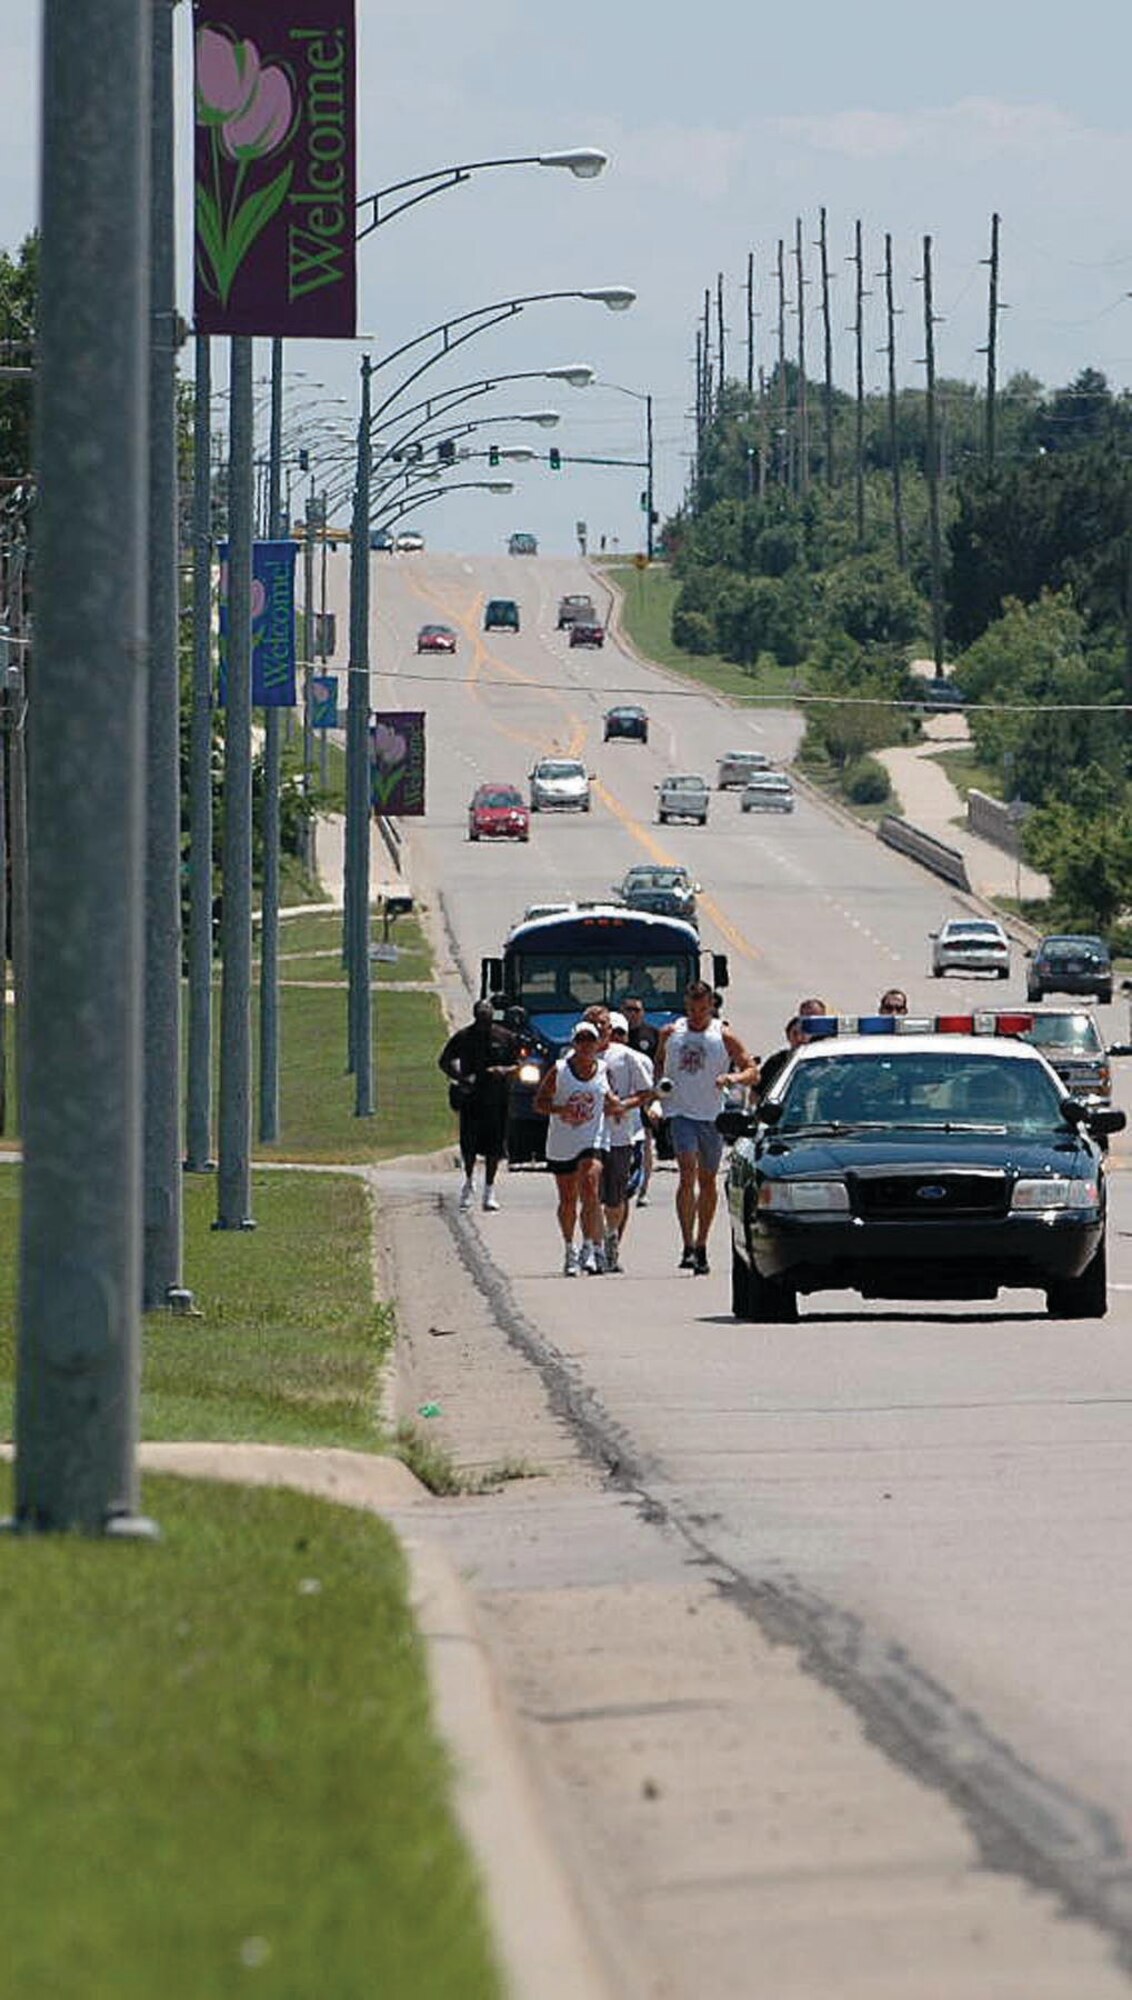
x=274 y=168
x=273 y=624
x=397 y=763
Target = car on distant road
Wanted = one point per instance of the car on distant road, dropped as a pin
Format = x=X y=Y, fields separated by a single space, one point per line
x=577 y=604
x=768 y=791
x=381 y=541
x=667 y=891
x=682 y=797
x=522 y=545
x=501 y=614
x=560 y=784
x=498 y=812
x=436 y=639
x=736 y=766
x=939 y=696
x=1069 y=964
x=1070 y=1039
x=587 y=632
x=970 y=944
x=629 y=723
x=938 y=1165
x=409 y=543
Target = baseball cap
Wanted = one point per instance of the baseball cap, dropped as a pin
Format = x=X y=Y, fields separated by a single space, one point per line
x=618 y=1024
x=584 y=1028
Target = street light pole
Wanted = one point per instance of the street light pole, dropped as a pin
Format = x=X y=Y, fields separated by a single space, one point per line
x=79 y=1333
x=198 y=1116
x=360 y=1025
x=272 y=771
x=233 y=1180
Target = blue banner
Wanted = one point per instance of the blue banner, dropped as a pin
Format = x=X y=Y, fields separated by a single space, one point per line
x=273 y=624
x=324 y=701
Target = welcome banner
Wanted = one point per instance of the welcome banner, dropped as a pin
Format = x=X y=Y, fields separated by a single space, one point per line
x=274 y=168
x=273 y=624
x=397 y=762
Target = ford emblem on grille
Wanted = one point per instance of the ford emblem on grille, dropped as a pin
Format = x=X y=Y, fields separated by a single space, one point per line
x=931 y=1191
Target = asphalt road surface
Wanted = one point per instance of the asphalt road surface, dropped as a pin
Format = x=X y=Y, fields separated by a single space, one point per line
x=933 y=1503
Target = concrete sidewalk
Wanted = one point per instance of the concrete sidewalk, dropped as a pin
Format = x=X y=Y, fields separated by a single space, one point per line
x=928 y=799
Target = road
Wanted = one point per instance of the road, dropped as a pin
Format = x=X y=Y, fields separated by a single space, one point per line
x=931 y=1505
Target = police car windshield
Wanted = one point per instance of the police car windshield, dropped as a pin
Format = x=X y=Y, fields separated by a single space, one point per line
x=925 y=1089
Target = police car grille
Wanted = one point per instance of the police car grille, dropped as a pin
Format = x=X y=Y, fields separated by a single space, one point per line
x=928 y=1197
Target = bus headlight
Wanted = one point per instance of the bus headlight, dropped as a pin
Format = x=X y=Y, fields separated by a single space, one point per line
x=528 y=1072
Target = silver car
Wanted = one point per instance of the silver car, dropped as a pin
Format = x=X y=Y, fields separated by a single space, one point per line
x=736 y=766
x=683 y=797
x=768 y=791
x=1070 y=1039
x=560 y=784
x=970 y=944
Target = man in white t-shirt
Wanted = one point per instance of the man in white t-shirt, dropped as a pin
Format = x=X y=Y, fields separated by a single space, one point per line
x=699 y=1058
x=575 y=1096
x=630 y=1078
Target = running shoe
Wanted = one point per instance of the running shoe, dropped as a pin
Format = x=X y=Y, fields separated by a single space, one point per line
x=599 y=1266
x=467 y=1195
x=700 y=1265
x=570 y=1262
x=688 y=1260
x=490 y=1198
x=643 y=1199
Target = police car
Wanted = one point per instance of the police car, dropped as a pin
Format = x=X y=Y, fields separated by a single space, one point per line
x=902 y=1158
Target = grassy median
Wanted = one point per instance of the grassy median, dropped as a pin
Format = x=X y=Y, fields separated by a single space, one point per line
x=220 y=1768
x=220 y=1775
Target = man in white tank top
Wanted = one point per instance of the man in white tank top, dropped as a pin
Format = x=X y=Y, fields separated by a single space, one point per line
x=575 y=1096
x=700 y=1059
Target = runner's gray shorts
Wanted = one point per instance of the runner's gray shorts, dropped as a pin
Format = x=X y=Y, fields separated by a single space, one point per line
x=615 y=1171
x=697 y=1135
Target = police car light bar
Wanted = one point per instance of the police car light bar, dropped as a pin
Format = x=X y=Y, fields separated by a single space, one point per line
x=820 y=1027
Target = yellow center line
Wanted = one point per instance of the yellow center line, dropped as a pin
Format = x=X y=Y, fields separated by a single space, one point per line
x=656 y=851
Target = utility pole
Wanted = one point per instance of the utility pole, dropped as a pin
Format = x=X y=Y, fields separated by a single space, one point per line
x=79 y=1313
x=859 y=431
x=827 y=334
x=162 y=1273
x=803 y=407
x=649 y=542
x=893 y=407
x=992 y=346
x=932 y=467
x=721 y=336
x=358 y=808
x=783 y=402
x=750 y=326
x=708 y=398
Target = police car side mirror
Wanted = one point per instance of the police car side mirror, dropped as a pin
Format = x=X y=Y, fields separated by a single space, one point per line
x=771 y=1112
x=1073 y=1111
x=734 y=1125
x=1106 y=1119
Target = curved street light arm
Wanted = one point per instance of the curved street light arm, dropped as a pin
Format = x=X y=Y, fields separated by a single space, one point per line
x=585 y=162
x=387 y=519
x=616 y=297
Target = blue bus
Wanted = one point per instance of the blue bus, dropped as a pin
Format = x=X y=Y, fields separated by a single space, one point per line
x=555 y=966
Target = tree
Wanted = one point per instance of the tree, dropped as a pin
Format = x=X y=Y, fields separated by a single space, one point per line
x=1021 y=677
x=19 y=290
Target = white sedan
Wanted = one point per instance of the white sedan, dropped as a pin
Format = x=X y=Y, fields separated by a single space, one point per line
x=970 y=944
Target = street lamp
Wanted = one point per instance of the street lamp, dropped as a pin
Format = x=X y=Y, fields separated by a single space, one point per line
x=584 y=162
x=450 y=334
x=640 y=396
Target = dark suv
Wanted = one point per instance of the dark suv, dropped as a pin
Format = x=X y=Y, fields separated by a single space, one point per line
x=501 y=614
x=1070 y=965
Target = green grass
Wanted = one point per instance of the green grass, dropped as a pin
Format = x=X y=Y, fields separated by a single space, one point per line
x=220 y=1773
x=967 y=774
x=646 y=614
x=311 y=948
x=317 y=1096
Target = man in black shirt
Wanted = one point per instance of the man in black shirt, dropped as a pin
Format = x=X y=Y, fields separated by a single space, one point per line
x=479 y=1061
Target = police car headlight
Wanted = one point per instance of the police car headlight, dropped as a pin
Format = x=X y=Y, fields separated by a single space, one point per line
x=1054 y=1192
x=804 y=1197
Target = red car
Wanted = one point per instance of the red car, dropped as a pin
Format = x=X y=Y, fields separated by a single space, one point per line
x=583 y=632
x=436 y=639
x=498 y=812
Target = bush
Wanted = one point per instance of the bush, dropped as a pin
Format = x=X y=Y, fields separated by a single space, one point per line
x=866 y=783
x=693 y=631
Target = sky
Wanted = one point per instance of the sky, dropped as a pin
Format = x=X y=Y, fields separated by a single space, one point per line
x=722 y=130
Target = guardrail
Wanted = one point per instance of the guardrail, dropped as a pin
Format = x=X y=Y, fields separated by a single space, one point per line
x=993 y=820
x=924 y=848
x=393 y=838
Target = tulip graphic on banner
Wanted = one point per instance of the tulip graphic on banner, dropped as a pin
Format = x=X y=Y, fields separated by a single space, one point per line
x=397 y=763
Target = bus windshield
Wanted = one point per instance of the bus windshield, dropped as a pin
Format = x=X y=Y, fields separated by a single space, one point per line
x=556 y=982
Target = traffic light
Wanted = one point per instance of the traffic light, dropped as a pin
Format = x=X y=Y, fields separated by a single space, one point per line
x=493 y=454
x=555 y=459
x=446 y=451
x=304 y=461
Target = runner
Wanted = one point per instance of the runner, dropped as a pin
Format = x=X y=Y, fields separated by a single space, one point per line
x=698 y=1058
x=575 y=1096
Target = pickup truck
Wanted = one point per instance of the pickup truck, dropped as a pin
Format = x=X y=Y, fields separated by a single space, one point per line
x=574 y=608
